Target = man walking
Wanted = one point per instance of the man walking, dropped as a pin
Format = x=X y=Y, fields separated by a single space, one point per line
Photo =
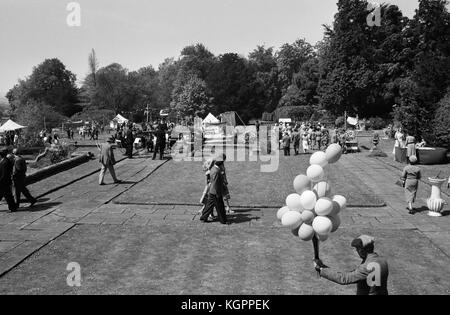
x=107 y=160
x=6 y=168
x=216 y=193
x=370 y=277
x=19 y=175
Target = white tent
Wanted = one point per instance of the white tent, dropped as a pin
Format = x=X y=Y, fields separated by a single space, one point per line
x=10 y=126
x=119 y=119
x=210 y=119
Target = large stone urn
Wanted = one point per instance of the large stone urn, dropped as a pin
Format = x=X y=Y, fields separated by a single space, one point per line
x=435 y=203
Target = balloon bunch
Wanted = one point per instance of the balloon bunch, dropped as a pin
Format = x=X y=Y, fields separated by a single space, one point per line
x=311 y=213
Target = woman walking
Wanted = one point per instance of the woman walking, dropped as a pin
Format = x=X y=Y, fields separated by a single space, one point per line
x=410 y=177
x=410 y=146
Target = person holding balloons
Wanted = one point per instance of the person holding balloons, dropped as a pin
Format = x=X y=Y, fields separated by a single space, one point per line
x=371 y=276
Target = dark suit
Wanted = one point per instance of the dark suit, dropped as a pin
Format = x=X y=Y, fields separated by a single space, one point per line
x=359 y=276
x=6 y=168
x=130 y=142
x=107 y=160
x=19 y=175
x=160 y=141
x=215 y=196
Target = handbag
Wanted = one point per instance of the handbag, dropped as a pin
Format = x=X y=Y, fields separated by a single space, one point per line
x=400 y=183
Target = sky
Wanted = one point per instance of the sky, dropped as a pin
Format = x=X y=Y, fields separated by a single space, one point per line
x=138 y=33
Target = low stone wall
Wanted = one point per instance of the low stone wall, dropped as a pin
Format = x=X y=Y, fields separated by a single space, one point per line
x=58 y=168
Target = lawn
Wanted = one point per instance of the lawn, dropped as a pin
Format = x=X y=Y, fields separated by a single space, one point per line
x=179 y=259
x=183 y=183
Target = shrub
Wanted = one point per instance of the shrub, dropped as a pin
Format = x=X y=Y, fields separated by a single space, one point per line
x=441 y=123
x=377 y=123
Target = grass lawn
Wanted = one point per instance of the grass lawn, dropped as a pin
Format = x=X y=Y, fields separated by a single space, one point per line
x=179 y=259
x=183 y=183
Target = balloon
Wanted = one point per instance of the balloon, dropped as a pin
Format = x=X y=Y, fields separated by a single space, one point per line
x=301 y=183
x=319 y=158
x=294 y=202
x=336 y=222
x=322 y=225
x=292 y=220
x=341 y=200
x=315 y=173
x=322 y=189
x=295 y=231
x=306 y=232
x=322 y=238
x=336 y=208
x=323 y=207
x=308 y=200
x=333 y=153
x=308 y=217
x=282 y=212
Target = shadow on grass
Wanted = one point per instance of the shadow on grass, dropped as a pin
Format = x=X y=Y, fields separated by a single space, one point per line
x=239 y=218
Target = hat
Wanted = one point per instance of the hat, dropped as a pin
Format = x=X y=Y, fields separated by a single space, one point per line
x=111 y=139
x=363 y=241
x=413 y=159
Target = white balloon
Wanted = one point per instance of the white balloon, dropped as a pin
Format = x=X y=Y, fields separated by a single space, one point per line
x=308 y=200
x=308 y=217
x=319 y=158
x=301 y=183
x=292 y=220
x=324 y=206
x=294 y=202
x=322 y=189
x=322 y=225
x=341 y=200
x=333 y=153
x=306 y=232
x=336 y=222
x=282 y=212
x=315 y=173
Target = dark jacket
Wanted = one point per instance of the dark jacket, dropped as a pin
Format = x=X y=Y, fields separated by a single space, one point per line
x=217 y=182
x=20 y=168
x=6 y=169
x=359 y=276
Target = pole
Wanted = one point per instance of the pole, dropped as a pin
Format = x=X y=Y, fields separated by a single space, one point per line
x=345 y=120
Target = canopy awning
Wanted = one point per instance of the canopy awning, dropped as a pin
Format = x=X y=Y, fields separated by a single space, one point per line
x=211 y=119
x=11 y=126
x=120 y=119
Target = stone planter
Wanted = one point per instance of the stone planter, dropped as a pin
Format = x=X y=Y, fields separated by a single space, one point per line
x=435 y=203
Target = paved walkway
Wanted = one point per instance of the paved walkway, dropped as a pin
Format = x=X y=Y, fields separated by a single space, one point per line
x=25 y=232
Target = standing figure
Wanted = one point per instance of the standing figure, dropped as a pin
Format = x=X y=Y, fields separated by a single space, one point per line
x=19 y=176
x=129 y=142
x=216 y=194
x=411 y=176
x=305 y=144
x=6 y=169
x=296 y=139
x=410 y=146
x=287 y=144
x=107 y=160
x=160 y=140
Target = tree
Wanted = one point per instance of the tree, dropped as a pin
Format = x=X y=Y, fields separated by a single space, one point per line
x=191 y=99
x=290 y=59
x=441 y=123
x=50 y=84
